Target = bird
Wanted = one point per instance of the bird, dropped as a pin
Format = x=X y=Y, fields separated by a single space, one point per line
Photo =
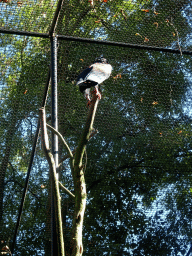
x=93 y=76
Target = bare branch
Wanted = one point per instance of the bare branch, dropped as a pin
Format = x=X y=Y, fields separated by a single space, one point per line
x=79 y=182
x=66 y=190
x=92 y=134
x=57 y=202
x=62 y=139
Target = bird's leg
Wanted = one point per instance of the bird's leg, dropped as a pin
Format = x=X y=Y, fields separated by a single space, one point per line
x=87 y=96
x=88 y=100
x=96 y=92
x=88 y=103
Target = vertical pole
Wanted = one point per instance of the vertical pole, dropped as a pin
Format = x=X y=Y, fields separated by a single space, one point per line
x=54 y=119
x=54 y=116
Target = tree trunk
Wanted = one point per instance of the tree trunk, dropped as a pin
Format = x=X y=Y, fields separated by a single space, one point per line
x=79 y=182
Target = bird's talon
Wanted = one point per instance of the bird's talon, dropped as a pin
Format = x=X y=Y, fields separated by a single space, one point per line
x=97 y=93
x=98 y=96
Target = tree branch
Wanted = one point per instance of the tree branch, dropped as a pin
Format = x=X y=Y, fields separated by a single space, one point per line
x=93 y=133
x=79 y=182
x=65 y=158
x=62 y=139
x=57 y=202
x=66 y=190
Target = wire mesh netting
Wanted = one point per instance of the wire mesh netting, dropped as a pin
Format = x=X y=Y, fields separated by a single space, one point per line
x=138 y=162
x=31 y=16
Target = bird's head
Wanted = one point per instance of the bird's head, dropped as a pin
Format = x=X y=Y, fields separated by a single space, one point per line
x=101 y=60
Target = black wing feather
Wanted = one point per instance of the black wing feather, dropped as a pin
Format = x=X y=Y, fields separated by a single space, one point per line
x=82 y=77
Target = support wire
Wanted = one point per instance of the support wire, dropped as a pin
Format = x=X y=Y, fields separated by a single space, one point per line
x=30 y=166
x=95 y=41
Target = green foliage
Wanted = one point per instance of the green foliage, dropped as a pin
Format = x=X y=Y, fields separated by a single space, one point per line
x=139 y=162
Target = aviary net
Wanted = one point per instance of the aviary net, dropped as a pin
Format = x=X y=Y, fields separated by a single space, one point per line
x=138 y=160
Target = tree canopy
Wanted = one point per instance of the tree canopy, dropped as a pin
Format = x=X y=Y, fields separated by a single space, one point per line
x=138 y=164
